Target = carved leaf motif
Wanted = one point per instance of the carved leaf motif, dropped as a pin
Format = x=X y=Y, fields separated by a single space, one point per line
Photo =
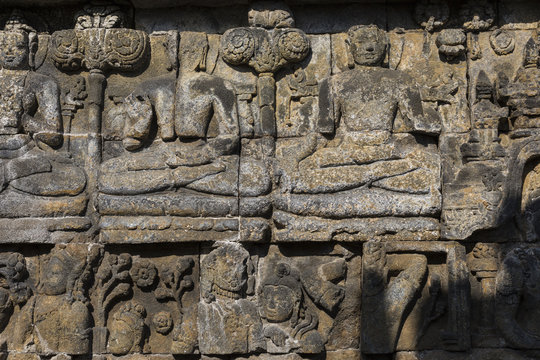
x=110 y=21
x=84 y=22
x=431 y=14
x=265 y=58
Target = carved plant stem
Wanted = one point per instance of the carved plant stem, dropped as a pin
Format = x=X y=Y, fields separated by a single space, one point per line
x=96 y=89
x=266 y=92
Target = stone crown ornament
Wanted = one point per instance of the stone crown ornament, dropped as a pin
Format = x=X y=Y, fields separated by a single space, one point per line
x=263 y=50
x=98 y=43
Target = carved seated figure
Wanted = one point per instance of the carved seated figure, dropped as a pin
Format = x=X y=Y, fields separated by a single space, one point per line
x=369 y=163
x=199 y=134
x=57 y=320
x=30 y=127
x=291 y=324
x=228 y=322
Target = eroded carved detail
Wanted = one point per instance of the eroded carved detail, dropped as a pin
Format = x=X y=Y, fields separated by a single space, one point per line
x=229 y=323
x=57 y=318
x=517 y=294
x=278 y=190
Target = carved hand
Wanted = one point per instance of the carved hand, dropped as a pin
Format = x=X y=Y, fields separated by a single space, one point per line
x=277 y=335
x=50 y=138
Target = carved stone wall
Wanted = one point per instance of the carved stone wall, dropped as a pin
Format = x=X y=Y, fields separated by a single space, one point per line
x=267 y=180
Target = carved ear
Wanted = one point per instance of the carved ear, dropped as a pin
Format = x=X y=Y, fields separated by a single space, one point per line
x=350 y=59
x=173 y=39
x=32 y=49
x=204 y=54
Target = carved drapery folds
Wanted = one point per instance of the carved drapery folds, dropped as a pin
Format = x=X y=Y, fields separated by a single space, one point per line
x=232 y=181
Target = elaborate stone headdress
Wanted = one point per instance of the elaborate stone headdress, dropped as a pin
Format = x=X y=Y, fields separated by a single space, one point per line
x=209 y=268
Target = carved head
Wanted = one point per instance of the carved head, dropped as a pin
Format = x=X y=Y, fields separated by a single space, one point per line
x=127 y=329
x=62 y=268
x=56 y=274
x=224 y=271
x=280 y=295
x=18 y=44
x=367 y=44
x=270 y=15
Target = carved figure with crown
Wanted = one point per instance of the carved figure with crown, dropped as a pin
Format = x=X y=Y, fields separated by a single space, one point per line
x=31 y=133
x=57 y=319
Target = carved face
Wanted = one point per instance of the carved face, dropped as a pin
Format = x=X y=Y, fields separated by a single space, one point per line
x=367 y=46
x=55 y=277
x=231 y=273
x=278 y=303
x=121 y=338
x=14 y=50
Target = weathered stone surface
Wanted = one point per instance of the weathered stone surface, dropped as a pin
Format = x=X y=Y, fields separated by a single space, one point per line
x=285 y=180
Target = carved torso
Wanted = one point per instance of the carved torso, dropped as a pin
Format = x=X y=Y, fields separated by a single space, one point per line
x=367 y=99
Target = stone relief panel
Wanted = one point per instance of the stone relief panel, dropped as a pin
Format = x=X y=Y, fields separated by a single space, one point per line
x=259 y=301
x=269 y=180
